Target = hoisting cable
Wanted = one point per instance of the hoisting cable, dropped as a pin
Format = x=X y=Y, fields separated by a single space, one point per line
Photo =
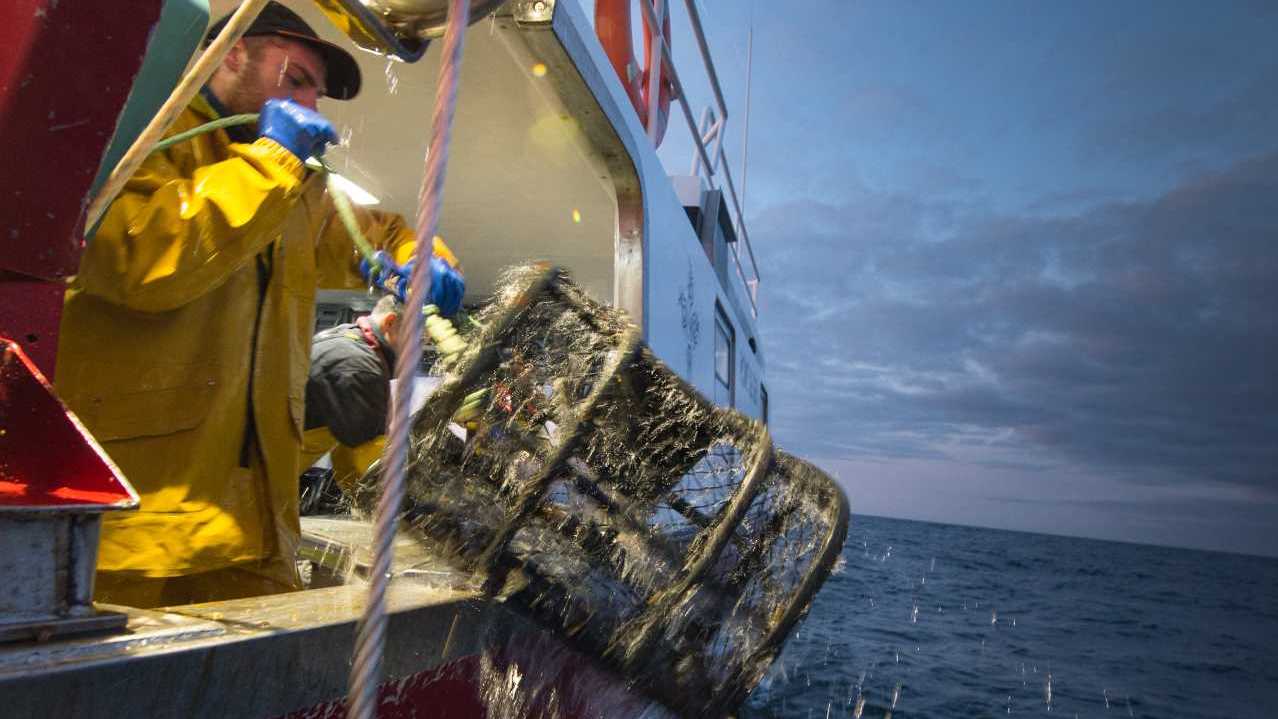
x=181 y=96
x=371 y=636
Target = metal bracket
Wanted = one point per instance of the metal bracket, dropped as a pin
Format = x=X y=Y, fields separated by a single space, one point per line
x=533 y=12
x=368 y=31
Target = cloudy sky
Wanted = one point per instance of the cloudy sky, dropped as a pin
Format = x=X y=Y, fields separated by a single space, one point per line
x=1031 y=251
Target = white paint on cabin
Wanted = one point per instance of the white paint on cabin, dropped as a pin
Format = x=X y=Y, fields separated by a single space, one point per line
x=529 y=179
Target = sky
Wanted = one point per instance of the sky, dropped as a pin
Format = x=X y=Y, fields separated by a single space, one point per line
x=1030 y=250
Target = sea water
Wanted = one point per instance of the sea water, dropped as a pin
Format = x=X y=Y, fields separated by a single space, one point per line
x=934 y=620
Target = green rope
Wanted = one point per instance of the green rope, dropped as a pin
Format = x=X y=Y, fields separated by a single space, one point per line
x=345 y=211
x=347 y=214
x=340 y=198
x=441 y=330
x=218 y=124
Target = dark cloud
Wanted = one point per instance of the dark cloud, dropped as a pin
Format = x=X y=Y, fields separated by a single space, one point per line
x=1134 y=340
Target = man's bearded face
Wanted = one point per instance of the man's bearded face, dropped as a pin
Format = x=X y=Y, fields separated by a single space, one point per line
x=275 y=68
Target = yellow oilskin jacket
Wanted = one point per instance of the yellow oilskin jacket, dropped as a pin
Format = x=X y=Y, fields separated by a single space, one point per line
x=187 y=332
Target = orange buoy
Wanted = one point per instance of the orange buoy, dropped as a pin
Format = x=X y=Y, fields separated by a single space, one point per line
x=612 y=25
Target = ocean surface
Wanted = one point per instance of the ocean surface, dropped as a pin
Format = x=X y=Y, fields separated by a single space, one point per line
x=934 y=620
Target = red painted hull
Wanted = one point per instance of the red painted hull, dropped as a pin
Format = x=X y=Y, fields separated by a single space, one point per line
x=66 y=69
x=535 y=677
x=450 y=690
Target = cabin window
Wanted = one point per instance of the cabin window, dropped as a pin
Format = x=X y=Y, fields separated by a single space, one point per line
x=763 y=403
x=724 y=358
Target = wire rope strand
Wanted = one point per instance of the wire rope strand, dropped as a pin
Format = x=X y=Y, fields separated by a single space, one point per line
x=371 y=636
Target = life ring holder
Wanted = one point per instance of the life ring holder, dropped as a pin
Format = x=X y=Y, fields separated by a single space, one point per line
x=612 y=26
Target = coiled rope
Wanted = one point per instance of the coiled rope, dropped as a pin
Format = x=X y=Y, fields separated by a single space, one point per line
x=371 y=637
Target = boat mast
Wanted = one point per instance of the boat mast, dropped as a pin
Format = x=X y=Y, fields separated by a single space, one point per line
x=745 y=130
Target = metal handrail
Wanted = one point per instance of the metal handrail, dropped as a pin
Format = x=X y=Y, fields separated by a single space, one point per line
x=654 y=14
x=668 y=63
x=695 y=18
x=713 y=131
x=741 y=228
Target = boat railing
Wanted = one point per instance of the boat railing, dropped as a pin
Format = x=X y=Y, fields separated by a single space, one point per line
x=709 y=162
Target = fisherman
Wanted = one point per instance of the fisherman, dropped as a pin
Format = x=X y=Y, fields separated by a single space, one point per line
x=348 y=392
x=185 y=334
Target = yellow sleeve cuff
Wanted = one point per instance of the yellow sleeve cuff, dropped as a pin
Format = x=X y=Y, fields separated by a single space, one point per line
x=267 y=149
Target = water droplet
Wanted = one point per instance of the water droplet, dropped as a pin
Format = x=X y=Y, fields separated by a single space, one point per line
x=392 y=78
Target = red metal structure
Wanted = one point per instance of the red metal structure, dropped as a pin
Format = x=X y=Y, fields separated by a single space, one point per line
x=66 y=69
x=55 y=483
x=50 y=461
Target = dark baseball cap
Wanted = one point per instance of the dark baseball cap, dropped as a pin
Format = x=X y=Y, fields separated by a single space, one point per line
x=343 y=77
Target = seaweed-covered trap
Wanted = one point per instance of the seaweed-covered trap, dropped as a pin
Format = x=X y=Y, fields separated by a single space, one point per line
x=610 y=502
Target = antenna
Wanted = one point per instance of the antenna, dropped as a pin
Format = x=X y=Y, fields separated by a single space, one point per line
x=745 y=131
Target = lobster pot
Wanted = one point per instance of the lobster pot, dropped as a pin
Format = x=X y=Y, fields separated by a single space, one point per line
x=613 y=504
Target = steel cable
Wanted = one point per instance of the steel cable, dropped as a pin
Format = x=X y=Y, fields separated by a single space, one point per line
x=371 y=636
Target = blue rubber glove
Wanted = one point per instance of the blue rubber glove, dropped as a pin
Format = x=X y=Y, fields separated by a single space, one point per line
x=398 y=284
x=389 y=277
x=446 y=287
x=299 y=130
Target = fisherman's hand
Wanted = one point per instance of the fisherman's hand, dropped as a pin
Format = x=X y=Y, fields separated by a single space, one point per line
x=446 y=287
x=301 y=131
x=385 y=275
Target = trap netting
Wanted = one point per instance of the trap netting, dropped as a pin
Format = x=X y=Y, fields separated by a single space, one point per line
x=613 y=504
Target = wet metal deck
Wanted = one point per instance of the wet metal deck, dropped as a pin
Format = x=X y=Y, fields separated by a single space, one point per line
x=251 y=657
